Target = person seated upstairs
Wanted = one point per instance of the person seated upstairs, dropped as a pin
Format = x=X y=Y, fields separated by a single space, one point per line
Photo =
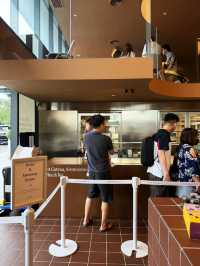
x=170 y=61
x=128 y=51
x=187 y=160
x=117 y=50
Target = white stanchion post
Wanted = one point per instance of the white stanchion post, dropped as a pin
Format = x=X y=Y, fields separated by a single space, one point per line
x=63 y=247
x=28 y=219
x=135 y=199
x=62 y=215
x=130 y=247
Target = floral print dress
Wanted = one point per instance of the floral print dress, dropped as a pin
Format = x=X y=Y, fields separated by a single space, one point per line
x=188 y=166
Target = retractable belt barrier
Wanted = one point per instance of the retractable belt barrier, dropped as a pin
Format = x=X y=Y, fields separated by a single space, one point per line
x=65 y=247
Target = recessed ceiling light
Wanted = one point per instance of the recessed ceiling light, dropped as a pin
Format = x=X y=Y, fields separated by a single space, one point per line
x=75 y=15
x=114 y=95
x=115 y=2
x=164 y=13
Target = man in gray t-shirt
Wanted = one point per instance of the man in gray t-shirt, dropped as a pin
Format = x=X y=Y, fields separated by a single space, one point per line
x=98 y=147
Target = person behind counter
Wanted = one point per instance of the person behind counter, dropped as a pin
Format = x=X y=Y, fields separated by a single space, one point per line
x=98 y=148
x=88 y=125
x=88 y=128
x=186 y=162
x=162 y=154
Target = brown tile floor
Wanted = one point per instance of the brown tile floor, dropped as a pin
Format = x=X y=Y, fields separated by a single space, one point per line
x=95 y=249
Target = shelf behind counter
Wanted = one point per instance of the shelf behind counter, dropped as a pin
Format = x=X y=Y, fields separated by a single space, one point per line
x=76 y=167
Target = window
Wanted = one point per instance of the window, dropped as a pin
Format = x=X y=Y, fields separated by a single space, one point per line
x=63 y=45
x=26 y=17
x=44 y=22
x=31 y=17
x=35 y=48
x=55 y=35
x=5 y=11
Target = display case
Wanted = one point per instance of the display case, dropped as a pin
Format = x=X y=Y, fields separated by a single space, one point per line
x=175 y=136
x=194 y=121
x=130 y=150
x=113 y=127
x=136 y=125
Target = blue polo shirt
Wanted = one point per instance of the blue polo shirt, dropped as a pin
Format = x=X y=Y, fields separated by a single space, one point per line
x=98 y=147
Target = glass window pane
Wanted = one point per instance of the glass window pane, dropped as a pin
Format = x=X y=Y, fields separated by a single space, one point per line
x=26 y=17
x=5 y=10
x=44 y=23
x=63 y=46
x=55 y=35
x=35 y=49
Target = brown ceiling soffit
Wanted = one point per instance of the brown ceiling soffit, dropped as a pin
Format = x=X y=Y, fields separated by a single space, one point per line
x=178 y=90
x=77 y=69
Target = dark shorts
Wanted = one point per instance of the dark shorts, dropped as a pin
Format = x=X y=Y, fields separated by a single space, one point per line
x=158 y=191
x=104 y=191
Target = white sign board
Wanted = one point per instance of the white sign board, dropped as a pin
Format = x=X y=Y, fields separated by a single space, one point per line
x=29 y=181
x=26 y=114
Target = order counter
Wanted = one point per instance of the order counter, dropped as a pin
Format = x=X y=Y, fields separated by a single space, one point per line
x=122 y=168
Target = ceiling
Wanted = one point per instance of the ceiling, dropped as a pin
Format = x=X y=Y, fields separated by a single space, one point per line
x=83 y=80
x=86 y=91
x=95 y=23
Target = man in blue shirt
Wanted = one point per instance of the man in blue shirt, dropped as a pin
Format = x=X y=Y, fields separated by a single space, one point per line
x=98 y=148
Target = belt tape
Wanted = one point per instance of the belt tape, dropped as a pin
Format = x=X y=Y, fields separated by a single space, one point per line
x=129 y=181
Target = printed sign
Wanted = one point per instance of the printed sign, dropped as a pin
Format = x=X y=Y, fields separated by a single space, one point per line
x=29 y=181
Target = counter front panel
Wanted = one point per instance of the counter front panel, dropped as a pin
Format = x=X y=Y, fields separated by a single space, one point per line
x=121 y=207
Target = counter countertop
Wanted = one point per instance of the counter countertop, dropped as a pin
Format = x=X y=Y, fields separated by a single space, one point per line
x=82 y=162
x=66 y=161
x=125 y=161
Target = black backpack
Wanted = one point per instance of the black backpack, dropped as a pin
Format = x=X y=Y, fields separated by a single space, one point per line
x=147 y=152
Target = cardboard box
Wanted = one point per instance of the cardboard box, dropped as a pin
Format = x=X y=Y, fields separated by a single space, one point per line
x=191 y=215
x=26 y=152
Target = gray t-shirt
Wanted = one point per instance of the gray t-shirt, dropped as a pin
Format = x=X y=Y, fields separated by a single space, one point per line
x=98 y=147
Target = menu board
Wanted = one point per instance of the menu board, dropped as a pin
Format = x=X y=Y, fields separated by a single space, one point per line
x=29 y=181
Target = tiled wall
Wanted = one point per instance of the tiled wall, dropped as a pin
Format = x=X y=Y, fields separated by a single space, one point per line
x=168 y=240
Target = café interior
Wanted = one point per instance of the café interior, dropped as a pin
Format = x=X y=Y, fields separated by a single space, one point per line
x=59 y=67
